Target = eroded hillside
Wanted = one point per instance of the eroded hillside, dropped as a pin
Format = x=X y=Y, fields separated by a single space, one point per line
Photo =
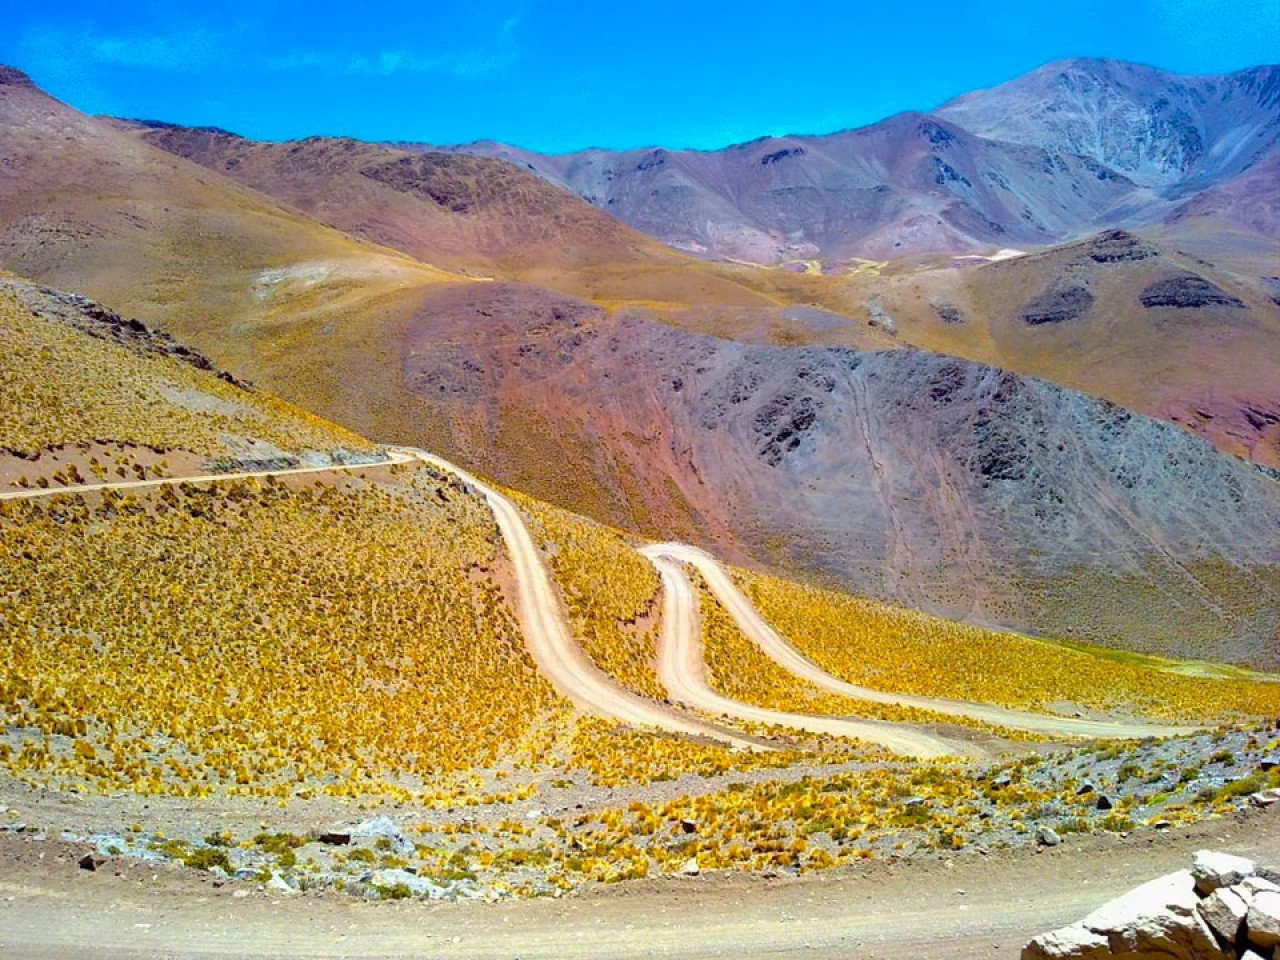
x=939 y=482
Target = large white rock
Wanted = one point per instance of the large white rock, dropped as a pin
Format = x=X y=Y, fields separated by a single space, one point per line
x=1213 y=870
x=1158 y=919
x=1264 y=919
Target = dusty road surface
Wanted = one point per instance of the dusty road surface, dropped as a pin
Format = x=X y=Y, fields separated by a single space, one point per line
x=549 y=639
x=978 y=907
x=683 y=672
x=754 y=626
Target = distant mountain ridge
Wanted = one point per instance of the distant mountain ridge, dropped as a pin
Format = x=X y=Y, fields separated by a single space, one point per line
x=1065 y=150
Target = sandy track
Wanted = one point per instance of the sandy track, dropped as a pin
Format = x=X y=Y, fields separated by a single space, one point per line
x=547 y=634
x=682 y=670
x=754 y=626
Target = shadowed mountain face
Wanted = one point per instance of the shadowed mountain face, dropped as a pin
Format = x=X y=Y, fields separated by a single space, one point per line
x=441 y=208
x=1065 y=150
x=937 y=482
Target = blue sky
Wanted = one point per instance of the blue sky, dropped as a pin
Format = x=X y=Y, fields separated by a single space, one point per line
x=559 y=76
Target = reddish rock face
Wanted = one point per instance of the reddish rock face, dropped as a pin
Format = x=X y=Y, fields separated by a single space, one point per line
x=939 y=482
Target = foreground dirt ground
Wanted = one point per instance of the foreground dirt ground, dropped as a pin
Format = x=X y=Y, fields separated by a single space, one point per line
x=968 y=907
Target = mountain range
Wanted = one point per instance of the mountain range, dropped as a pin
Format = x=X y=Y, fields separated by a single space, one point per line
x=1022 y=373
x=1070 y=148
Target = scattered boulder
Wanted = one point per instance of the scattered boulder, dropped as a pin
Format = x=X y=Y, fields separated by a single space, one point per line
x=1187 y=290
x=416 y=885
x=1048 y=837
x=1221 y=908
x=1158 y=919
x=690 y=868
x=90 y=862
x=280 y=883
x=335 y=838
x=1104 y=802
x=382 y=827
x=689 y=826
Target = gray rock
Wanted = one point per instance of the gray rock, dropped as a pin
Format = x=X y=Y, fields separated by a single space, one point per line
x=418 y=886
x=281 y=883
x=382 y=827
x=1263 y=919
x=1213 y=870
x=1061 y=303
x=1224 y=911
x=1048 y=837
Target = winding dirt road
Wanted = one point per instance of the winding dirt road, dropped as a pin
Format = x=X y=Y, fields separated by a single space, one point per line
x=681 y=668
x=683 y=672
x=547 y=634
x=754 y=626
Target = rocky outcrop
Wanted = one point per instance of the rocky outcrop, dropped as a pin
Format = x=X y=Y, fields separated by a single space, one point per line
x=1186 y=290
x=1222 y=908
x=97 y=321
x=1059 y=304
x=13 y=77
x=1119 y=246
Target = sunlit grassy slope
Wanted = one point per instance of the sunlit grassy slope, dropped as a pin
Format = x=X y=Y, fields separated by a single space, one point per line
x=906 y=651
x=66 y=382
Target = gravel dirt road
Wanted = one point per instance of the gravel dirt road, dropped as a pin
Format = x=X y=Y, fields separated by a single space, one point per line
x=971 y=907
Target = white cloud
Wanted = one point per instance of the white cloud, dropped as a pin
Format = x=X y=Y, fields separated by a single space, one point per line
x=185 y=48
